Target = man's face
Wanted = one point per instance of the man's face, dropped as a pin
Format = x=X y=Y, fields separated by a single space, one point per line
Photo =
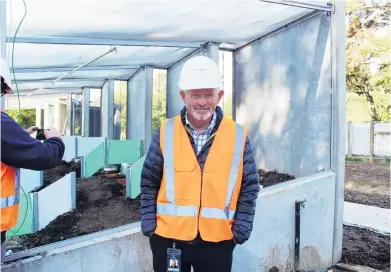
x=201 y=103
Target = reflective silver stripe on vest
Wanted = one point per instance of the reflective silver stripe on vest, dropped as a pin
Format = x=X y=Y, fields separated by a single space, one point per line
x=14 y=199
x=172 y=209
x=208 y=212
x=169 y=160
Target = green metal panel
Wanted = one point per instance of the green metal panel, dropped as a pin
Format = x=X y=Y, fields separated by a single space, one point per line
x=25 y=210
x=134 y=178
x=94 y=160
x=123 y=151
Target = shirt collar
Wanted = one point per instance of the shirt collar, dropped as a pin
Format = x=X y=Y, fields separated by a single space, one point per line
x=209 y=128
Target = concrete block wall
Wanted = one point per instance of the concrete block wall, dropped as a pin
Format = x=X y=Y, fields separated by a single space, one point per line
x=282 y=92
x=271 y=243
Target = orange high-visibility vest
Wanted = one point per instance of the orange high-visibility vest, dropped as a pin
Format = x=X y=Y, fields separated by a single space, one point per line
x=10 y=186
x=190 y=201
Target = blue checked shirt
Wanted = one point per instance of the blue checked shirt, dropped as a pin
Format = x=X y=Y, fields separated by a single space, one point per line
x=200 y=139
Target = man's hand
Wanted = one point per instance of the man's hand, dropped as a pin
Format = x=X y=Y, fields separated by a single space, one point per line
x=52 y=133
x=32 y=129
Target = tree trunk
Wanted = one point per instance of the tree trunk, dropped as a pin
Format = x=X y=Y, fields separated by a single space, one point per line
x=374 y=118
x=371 y=139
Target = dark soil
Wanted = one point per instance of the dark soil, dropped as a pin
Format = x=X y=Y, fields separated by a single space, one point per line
x=100 y=205
x=382 y=201
x=272 y=177
x=364 y=247
x=54 y=174
x=368 y=183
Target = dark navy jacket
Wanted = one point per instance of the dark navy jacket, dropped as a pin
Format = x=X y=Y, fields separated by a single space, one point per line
x=20 y=150
x=152 y=172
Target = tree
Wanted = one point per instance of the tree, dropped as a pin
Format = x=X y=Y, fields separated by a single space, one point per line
x=227 y=106
x=26 y=118
x=159 y=100
x=367 y=57
x=120 y=96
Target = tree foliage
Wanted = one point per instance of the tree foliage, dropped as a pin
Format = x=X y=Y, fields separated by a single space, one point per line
x=368 y=55
x=159 y=100
x=26 y=118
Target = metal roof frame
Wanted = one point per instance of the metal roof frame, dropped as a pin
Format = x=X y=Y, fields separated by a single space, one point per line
x=301 y=4
x=89 y=41
x=197 y=46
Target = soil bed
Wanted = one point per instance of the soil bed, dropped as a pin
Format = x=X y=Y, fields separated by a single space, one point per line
x=269 y=178
x=364 y=247
x=100 y=205
x=368 y=183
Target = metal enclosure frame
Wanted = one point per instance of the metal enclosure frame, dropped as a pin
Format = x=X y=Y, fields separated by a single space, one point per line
x=338 y=87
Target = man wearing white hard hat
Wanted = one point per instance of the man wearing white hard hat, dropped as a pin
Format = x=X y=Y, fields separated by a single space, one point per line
x=199 y=183
x=20 y=150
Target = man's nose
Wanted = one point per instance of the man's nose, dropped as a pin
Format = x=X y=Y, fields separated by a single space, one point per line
x=203 y=100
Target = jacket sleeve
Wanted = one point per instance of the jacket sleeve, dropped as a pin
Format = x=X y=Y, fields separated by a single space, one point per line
x=20 y=150
x=151 y=176
x=245 y=210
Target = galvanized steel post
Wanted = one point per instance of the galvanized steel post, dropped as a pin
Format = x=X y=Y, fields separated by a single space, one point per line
x=338 y=62
x=85 y=112
x=3 y=31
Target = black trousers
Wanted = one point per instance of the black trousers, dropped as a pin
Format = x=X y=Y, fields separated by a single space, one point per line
x=202 y=256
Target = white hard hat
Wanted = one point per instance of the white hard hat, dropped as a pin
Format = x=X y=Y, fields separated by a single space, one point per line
x=200 y=72
x=6 y=75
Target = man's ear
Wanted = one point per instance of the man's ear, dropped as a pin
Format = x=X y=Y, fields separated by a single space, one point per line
x=220 y=95
x=183 y=94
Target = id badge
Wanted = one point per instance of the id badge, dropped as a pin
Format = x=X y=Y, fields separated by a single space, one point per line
x=173 y=259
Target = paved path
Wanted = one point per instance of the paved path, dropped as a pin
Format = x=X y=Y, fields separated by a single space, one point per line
x=367 y=216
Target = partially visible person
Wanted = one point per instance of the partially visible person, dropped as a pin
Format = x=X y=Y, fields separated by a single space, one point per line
x=20 y=150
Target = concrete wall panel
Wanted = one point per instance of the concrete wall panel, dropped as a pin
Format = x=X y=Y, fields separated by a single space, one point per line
x=282 y=92
x=271 y=242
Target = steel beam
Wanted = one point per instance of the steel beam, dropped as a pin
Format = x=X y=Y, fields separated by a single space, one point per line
x=75 y=80
x=338 y=113
x=3 y=44
x=3 y=28
x=69 y=119
x=67 y=69
x=60 y=89
x=299 y=4
x=107 y=110
x=64 y=91
x=282 y=28
x=87 y=41
x=191 y=54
